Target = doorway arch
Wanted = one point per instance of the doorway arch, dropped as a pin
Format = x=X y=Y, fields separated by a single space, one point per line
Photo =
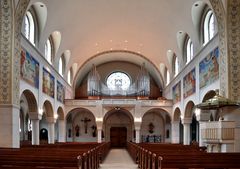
x=118 y=127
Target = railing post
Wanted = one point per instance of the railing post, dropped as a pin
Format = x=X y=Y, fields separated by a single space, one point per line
x=79 y=158
x=149 y=159
x=160 y=162
x=154 y=161
x=85 y=160
x=145 y=159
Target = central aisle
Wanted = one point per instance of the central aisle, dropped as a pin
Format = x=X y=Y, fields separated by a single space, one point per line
x=118 y=159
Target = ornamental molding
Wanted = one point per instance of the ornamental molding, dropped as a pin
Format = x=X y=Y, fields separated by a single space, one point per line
x=19 y=15
x=6 y=46
x=233 y=17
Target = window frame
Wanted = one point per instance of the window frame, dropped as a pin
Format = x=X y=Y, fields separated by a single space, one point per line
x=31 y=35
x=114 y=72
x=208 y=29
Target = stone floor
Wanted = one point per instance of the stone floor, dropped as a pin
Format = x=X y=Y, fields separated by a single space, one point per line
x=118 y=159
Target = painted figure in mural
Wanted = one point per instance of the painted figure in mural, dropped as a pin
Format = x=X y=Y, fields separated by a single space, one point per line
x=215 y=66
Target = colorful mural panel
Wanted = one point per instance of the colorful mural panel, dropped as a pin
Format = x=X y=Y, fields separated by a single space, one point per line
x=60 y=92
x=48 y=83
x=189 y=84
x=176 y=91
x=209 y=68
x=29 y=69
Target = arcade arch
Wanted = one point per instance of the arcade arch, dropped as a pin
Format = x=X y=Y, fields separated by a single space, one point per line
x=28 y=111
x=118 y=127
x=156 y=126
x=81 y=126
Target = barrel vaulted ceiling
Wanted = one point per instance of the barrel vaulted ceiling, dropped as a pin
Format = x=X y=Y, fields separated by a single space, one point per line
x=147 y=27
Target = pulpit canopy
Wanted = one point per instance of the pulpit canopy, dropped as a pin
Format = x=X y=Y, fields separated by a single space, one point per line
x=217 y=102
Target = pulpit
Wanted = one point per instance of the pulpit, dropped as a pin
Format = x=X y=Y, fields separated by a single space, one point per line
x=218 y=136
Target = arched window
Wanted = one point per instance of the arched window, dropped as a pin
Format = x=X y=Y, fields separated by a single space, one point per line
x=189 y=50
x=175 y=65
x=61 y=66
x=70 y=76
x=29 y=27
x=208 y=27
x=48 y=51
x=167 y=77
x=118 y=81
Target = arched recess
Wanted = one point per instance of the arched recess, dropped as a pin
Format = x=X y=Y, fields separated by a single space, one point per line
x=60 y=126
x=46 y=124
x=28 y=111
x=81 y=126
x=156 y=126
x=194 y=126
x=118 y=120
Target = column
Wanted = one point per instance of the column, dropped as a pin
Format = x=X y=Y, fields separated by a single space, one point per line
x=137 y=134
x=175 y=131
x=35 y=132
x=137 y=123
x=61 y=131
x=99 y=135
x=9 y=127
x=186 y=130
x=51 y=133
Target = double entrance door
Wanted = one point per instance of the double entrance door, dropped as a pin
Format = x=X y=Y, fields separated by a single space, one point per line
x=118 y=136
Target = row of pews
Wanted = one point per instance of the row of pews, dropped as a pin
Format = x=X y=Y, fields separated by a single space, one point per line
x=178 y=156
x=55 y=156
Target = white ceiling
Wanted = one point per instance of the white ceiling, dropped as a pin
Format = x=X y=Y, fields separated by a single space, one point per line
x=148 y=27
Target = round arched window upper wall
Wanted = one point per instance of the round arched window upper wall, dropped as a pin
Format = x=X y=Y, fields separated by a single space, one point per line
x=118 y=81
x=70 y=76
x=60 y=66
x=209 y=28
x=189 y=50
x=29 y=27
x=48 y=51
x=175 y=65
x=167 y=77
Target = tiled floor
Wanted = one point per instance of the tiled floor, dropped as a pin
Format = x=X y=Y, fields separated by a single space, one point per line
x=118 y=159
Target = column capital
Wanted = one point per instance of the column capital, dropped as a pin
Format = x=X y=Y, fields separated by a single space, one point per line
x=51 y=119
x=187 y=121
x=35 y=116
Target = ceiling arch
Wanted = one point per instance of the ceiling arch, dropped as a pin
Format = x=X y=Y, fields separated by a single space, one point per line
x=118 y=55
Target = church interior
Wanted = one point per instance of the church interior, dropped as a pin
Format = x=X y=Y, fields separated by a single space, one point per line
x=98 y=76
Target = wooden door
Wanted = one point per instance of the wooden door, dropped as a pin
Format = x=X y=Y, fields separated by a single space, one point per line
x=118 y=136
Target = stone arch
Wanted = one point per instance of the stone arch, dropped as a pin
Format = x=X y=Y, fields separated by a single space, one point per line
x=48 y=109
x=189 y=109
x=160 y=120
x=81 y=125
x=118 y=118
x=125 y=55
x=177 y=114
x=158 y=109
x=31 y=101
x=60 y=113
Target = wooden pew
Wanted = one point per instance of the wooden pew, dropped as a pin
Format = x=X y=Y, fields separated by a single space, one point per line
x=81 y=156
x=167 y=156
